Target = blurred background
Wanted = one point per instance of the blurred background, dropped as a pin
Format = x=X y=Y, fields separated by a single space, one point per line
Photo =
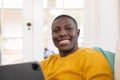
x=25 y=26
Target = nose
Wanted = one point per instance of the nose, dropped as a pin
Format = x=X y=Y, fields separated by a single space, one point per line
x=63 y=32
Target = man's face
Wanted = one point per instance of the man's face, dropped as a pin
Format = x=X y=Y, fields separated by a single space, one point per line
x=65 y=34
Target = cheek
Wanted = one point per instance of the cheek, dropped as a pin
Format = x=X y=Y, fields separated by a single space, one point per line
x=75 y=37
x=54 y=37
x=74 y=34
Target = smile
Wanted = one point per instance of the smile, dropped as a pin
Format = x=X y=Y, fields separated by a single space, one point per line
x=64 y=42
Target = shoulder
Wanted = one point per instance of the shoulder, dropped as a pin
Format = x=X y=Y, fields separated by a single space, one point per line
x=89 y=54
x=46 y=61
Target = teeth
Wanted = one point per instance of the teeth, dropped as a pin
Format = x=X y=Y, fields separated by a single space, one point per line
x=64 y=42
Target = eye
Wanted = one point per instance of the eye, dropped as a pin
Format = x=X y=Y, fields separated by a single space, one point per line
x=55 y=30
x=69 y=28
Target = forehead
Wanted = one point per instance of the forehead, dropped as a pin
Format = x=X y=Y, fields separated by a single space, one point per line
x=63 y=20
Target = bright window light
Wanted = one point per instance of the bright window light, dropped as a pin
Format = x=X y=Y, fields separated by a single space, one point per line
x=56 y=12
x=45 y=3
x=59 y=3
x=11 y=3
x=73 y=3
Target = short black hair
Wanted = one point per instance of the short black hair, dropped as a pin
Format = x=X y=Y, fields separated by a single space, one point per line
x=67 y=16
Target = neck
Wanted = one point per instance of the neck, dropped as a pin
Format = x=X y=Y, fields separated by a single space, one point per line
x=65 y=53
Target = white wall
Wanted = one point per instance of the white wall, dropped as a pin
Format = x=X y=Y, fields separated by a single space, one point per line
x=101 y=24
x=109 y=24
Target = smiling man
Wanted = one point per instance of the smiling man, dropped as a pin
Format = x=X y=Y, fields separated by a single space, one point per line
x=72 y=62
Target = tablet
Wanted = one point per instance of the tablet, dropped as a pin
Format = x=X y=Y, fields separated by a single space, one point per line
x=22 y=71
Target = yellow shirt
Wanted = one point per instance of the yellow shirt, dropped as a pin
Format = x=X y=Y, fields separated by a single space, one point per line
x=83 y=64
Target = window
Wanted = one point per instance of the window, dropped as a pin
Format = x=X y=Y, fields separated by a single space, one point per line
x=11 y=25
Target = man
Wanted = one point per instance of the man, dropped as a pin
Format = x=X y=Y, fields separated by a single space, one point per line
x=72 y=62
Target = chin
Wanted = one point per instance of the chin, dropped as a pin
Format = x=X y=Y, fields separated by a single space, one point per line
x=65 y=49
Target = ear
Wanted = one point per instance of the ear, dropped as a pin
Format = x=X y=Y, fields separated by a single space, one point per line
x=78 y=32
